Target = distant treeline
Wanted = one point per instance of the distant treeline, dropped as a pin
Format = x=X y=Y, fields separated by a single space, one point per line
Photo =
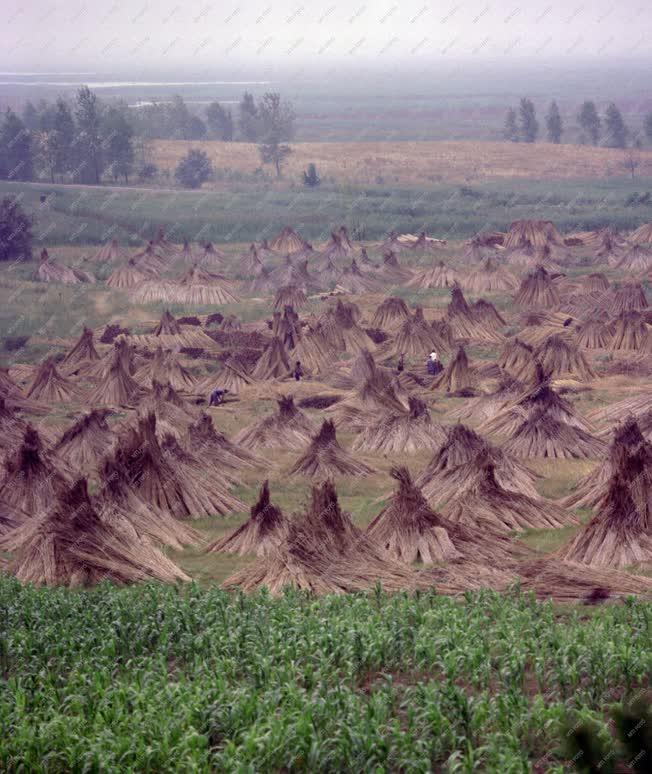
x=608 y=130
x=85 y=140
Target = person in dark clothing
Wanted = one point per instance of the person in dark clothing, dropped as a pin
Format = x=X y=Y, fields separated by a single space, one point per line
x=298 y=371
x=433 y=365
x=216 y=397
x=401 y=364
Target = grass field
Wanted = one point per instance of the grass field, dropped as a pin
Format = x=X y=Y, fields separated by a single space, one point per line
x=415 y=163
x=81 y=215
x=158 y=678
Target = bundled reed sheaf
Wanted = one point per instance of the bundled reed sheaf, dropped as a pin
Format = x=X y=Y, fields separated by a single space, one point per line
x=540 y=434
x=560 y=358
x=173 y=482
x=72 y=546
x=409 y=530
x=390 y=313
x=264 y=530
x=487 y=314
x=593 y=333
x=342 y=330
x=324 y=553
x=325 y=457
x=286 y=241
x=439 y=275
x=631 y=333
x=482 y=499
x=636 y=259
x=352 y=280
x=83 y=445
x=129 y=275
x=165 y=368
x=149 y=260
x=274 y=362
x=50 y=270
x=212 y=446
x=489 y=278
x=595 y=282
x=211 y=256
x=197 y=287
x=415 y=338
x=287 y=428
x=463 y=323
x=116 y=387
x=290 y=295
x=630 y=297
x=537 y=291
x=376 y=395
x=517 y=359
x=457 y=459
x=627 y=440
x=49 y=386
x=642 y=235
x=487 y=406
x=391 y=270
x=31 y=480
x=620 y=534
x=457 y=376
x=84 y=350
x=111 y=252
x=537 y=233
x=314 y=350
x=406 y=432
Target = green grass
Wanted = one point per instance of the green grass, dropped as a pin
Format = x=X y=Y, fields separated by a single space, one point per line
x=87 y=215
x=155 y=678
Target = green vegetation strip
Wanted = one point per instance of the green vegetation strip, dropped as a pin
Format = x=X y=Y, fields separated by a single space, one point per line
x=156 y=678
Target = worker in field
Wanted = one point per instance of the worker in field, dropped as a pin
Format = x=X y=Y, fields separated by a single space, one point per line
x=433 y=366
x=298 y=371
x=216 y=397
x=400 y=366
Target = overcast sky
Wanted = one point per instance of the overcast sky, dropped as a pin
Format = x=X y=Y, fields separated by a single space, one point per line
x=140 y=38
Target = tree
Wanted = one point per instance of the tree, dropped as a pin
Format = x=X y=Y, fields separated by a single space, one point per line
x=117 y=142
x=47 y=151
x=16 y=161
x=589 y=120
x=248 y=118
x=30 y=117
x=277 y=125
x=529 y=127
x=220 y=122
x=88 y=140
x=15 y=231
x=632 y=160
x=615 y=130
x=510 y=130
x=554 y=124
x=64 y=125
x=647 y=126
x=310 y=177
x=194 y=169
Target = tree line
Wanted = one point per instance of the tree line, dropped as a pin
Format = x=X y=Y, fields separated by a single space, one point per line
x=86 y=140
x=609 y=130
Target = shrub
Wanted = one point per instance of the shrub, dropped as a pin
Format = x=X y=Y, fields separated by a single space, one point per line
x=310 y=177
x=194 y=169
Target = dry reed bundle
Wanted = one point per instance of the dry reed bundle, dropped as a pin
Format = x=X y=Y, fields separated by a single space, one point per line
x=517 y=359
x=86 y=442
x=287 y=428
x=211 y=256
x=264 y=530
x=406 y=432
x=631 y=333
x=456 y=459
x=483 y=500
x=72 y=546
x=31 y=480
x=48 y=386
x=154 y=289
x=457 y=376
x=342 y=330
x=116 y=501
x=537 y=291
x=636 y=259
x=636 y=406
x=323 y=553
x=537 y=233
x=542 y=435
x=165 y=368
x=594 y=333
x=391 y=313
x=595 y=282
x=378 y=395
x=391 y=271
x=487 y=406
x=50 y=270
x=290 y=295
x=335 y=248
x=352 y=280
x=489 y=278
x=128 y=276
x=325 y=457
x=164 y=246
x=487 y=314
x=463 y=324
x=263 y=283
x=274 y=362
x=642 y=235
x=211 y=445
x=150 y=260
x=111 y=252
x=415 y=338
x=561 y=358
x=205 y=492
x=287 y=241
x=314 y=350
x=570 y=582
x=439 y=275
x=197 y=287
x=173 y=414
x=116 y=387
x=628 y=298
x=83 y=350
x=250 y=263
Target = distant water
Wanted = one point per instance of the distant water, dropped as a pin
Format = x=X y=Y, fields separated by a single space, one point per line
x=29 y=81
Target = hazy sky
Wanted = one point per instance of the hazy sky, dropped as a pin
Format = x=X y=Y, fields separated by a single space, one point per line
x=142 y=37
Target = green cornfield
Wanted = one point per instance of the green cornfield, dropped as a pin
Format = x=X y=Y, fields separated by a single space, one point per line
x=162 y=678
